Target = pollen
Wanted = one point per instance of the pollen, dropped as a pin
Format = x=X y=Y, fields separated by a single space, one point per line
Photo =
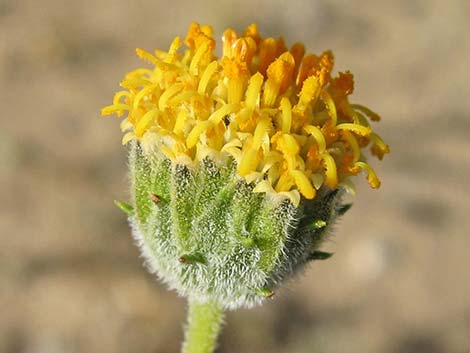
x=279 y=113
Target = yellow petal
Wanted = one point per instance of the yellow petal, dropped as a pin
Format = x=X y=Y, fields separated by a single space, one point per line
x=371 y=114
x=219 y=114
x=356 y=128
x=372 y=178
x=206 y=77
x=286 y=108
x=318 y=136
x=193 y=136
x=304 y=185
x=331 y=176
x=351 y=140
x=330 y=106
x=249 y=162
x=114 y=108
x=143 y=123
x=170 y=92
x=253 y=90
x=288 y=145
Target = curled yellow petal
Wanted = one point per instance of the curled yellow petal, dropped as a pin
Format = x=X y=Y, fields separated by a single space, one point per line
x=193 y=136
x=317 y=135
x=371 y=114
x=330 y=106
x=144 y=122
x=170 y=92
x=380 y=148
x=288 y=145
x=304 y=184
x=114 y=108
x=351 y=140
x=220 y=113
x=145 y=55
x=372 y=178
x=206 y=77
x=356 y=128
x=119 y=95
x=331 y=175
x=203 y=50
x=173 y=51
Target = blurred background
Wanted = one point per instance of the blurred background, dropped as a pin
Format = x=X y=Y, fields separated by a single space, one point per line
x=71 y=279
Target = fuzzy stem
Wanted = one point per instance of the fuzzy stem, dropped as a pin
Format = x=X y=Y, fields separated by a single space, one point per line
x=203 y=327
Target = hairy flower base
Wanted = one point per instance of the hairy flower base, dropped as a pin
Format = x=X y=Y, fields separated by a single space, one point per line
x=207 y=235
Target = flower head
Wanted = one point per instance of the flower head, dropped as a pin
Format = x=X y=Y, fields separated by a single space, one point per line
x=236 y=164
x=279 y=113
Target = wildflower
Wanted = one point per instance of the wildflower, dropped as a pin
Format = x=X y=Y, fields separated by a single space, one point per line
x=238 y=164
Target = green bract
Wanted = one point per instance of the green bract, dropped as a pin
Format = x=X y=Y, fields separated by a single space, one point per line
x=206 y=234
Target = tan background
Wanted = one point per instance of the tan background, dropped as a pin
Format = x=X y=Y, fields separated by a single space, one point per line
x=70 y=277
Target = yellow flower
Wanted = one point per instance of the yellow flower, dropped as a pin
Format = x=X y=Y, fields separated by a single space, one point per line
x=278 y=113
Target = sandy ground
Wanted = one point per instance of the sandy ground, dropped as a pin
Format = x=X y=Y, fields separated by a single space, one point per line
x=70 y=278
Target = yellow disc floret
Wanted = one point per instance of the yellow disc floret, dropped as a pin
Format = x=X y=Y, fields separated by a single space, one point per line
x=278 y=113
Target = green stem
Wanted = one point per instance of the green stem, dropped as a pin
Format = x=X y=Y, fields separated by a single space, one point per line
x=204 y=322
